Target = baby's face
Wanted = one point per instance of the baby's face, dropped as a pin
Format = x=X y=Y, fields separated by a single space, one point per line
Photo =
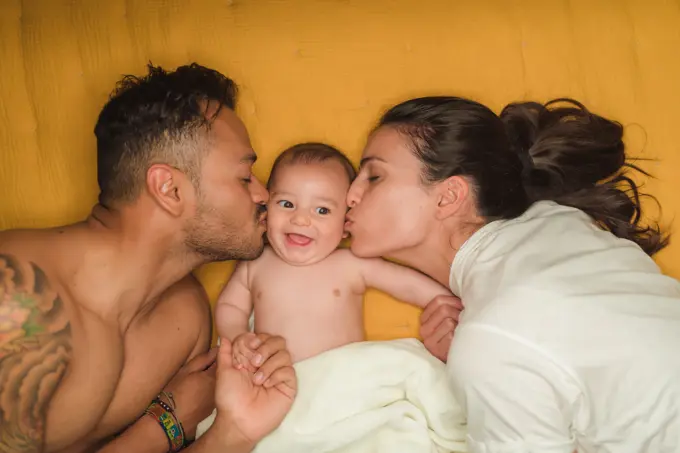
x=306 y=211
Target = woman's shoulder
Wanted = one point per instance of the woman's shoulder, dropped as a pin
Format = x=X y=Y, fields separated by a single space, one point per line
x=553 y=238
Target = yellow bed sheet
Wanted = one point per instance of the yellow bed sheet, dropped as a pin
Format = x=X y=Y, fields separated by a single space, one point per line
x=324 y=70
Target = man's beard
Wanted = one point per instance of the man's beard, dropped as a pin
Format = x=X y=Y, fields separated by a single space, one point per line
x=224 y=240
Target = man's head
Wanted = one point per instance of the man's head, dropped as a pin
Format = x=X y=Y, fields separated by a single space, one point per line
x=306 y=213
x=173 y=138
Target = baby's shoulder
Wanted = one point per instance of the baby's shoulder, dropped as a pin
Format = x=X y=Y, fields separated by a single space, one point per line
x=251 y=268
x=266 y=257
x=346 y=266
x=347 y=258
x=343 y=257
x=343 y=262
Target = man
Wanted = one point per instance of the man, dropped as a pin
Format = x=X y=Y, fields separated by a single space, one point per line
x=99 y=317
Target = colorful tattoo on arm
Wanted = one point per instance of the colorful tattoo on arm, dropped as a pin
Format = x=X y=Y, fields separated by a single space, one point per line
x=35 y=349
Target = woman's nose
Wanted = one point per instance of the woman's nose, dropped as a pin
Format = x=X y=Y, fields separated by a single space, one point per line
x=354 y=194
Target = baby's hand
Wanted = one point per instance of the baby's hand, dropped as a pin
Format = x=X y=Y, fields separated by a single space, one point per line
x=243 y=353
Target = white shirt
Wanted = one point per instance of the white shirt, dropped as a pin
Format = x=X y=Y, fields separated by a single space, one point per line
x=569 y=341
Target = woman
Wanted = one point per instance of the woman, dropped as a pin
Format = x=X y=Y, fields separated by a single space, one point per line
x=570 y=338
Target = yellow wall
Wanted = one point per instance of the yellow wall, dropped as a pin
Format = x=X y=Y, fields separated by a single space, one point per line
x=324 y=70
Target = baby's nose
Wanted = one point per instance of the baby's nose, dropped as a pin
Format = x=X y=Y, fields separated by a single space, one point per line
x=300 y=219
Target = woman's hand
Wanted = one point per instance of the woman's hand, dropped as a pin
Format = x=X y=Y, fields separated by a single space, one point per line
x=437 y=324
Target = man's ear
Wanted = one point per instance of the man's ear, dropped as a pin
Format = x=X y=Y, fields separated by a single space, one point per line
x=167 y=186
x=451 y=195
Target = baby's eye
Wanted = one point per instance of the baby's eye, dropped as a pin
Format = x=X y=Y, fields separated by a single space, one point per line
x=323 y=211
x=285 y=204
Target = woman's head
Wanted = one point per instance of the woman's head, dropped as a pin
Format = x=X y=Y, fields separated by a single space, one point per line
x=437 y=168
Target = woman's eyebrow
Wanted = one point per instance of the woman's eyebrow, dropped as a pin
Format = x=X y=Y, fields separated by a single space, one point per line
x=368 y=159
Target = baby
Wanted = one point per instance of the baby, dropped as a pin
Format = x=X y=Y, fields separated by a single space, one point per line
x=303 y=287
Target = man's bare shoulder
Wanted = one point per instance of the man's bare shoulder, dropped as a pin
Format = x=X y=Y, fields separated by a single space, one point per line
x=187 y=300
x=19 y=240
x=53 y=249
x=188 y=296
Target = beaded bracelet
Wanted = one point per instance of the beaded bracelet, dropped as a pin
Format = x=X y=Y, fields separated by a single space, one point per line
x=169 y=397
x=165 y=416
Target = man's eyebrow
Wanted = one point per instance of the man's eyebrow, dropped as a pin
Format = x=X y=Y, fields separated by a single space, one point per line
x=366 y=160
x=249 y=159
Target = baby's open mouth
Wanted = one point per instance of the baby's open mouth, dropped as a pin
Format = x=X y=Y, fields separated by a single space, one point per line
x=298 y=239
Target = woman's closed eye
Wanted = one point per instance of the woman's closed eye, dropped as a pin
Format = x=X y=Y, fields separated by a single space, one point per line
x=285 y=204
x=370 y=175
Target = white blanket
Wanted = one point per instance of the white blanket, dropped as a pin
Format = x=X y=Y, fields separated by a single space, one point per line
x=370 y=397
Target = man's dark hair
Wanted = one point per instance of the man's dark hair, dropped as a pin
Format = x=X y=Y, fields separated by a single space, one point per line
x=310 y=153
x=157 y=118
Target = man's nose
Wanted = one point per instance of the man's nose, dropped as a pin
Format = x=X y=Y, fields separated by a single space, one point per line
x=259 y=191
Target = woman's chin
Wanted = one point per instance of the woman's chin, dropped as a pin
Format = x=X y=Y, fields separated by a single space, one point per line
x=363 y=250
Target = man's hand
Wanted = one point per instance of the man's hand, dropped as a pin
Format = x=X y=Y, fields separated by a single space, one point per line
x=437 y=323
x=193 y=389
x=252 y=406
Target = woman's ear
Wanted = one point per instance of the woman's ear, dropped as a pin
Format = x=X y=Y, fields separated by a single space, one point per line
x=452 y=193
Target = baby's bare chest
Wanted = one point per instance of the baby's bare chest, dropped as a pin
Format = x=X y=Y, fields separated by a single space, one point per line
x=312 y=288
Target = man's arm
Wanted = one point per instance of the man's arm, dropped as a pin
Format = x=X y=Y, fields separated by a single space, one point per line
x=401 y=282
x=35 y=349
x=147 y=434
x=201 y=316
x=259 y=409
x=191 y=297
x=234 y=304
x=517 y=397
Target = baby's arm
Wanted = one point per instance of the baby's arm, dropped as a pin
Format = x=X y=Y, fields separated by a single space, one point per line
x=232 y=312
x=401 y=282
x=234 y=305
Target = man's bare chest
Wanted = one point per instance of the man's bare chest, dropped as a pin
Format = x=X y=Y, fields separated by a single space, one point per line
x=112 y=379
